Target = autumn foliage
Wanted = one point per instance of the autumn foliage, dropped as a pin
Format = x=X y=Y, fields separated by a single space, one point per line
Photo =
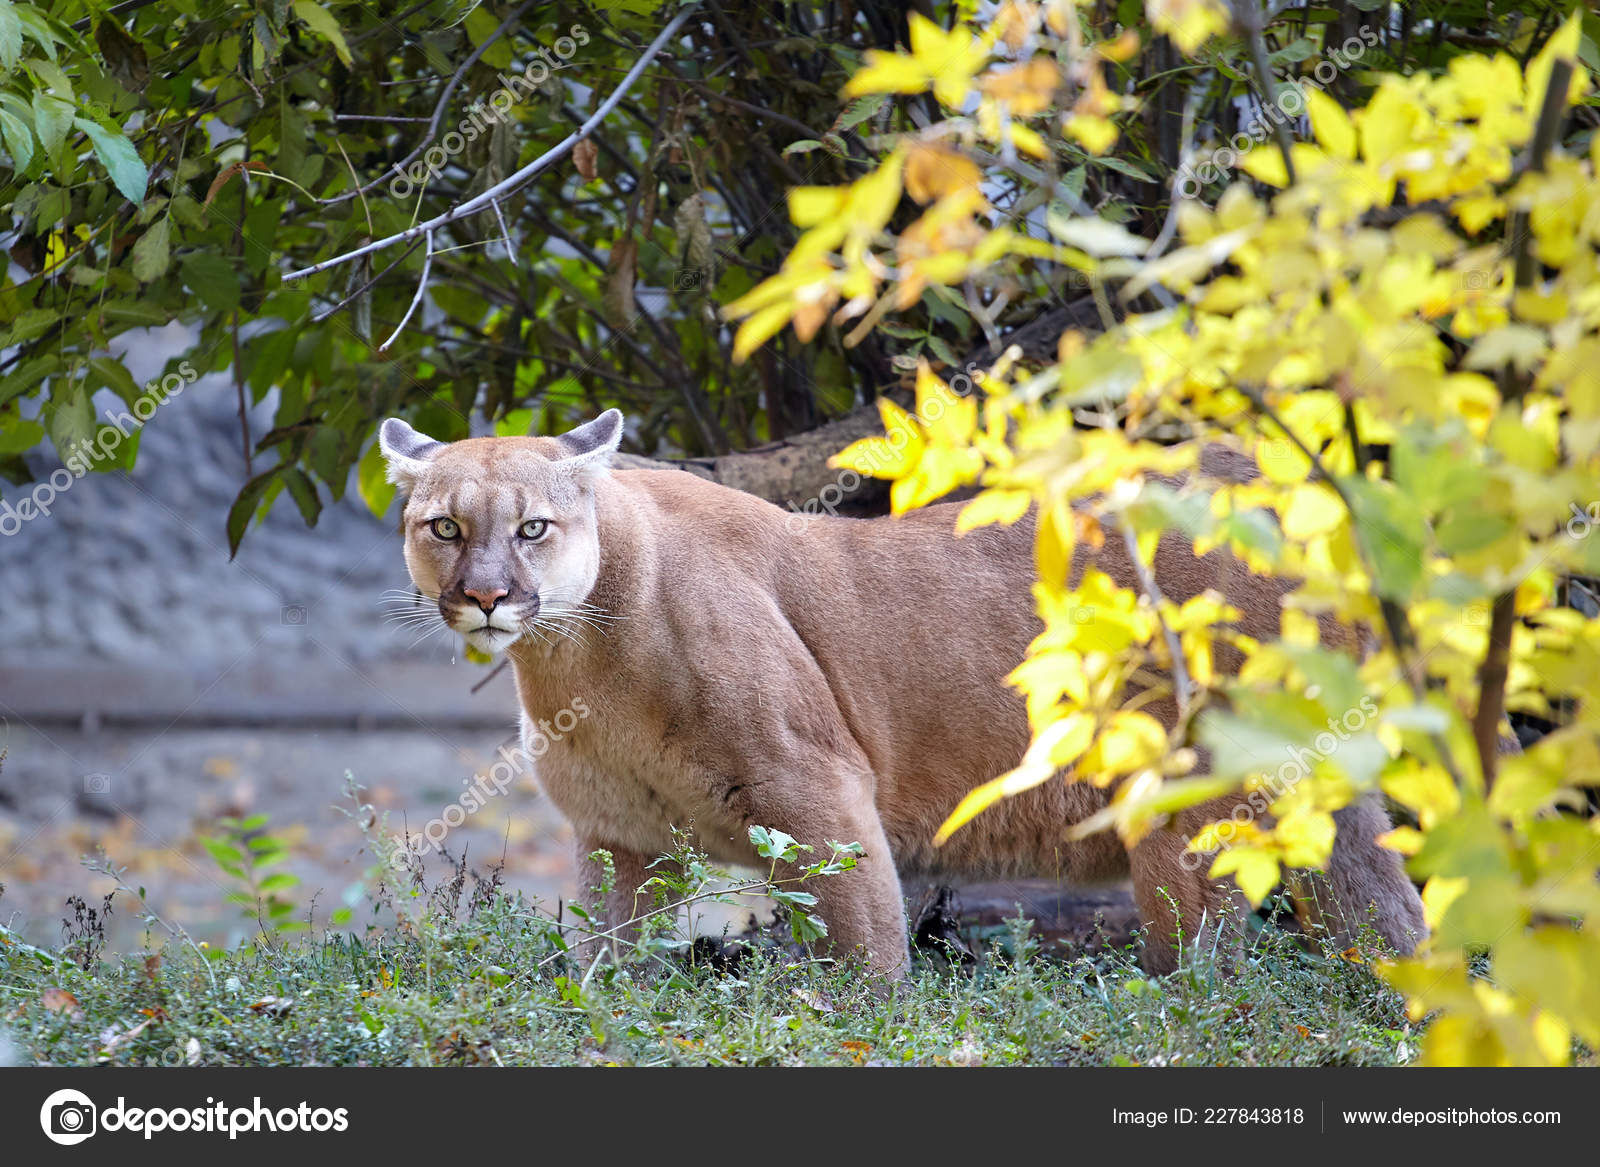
x=1398 y=315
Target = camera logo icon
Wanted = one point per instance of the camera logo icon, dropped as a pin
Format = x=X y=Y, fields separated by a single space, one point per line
x=688 y=279
x=293 y=615
x=68 y=1117
x=97 y=783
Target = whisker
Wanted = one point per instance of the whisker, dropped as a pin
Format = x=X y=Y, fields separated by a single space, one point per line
x=427 y=634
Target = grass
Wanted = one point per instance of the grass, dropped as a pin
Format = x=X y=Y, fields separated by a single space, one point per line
x=467 y=974
x=472 y=992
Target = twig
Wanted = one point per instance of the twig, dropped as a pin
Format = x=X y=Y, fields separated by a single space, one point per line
x=1247 y=20
x=422 y=290
x=1396 y=623
x=176 y=931
x=493 y=673
x=1191 y=108
x=439 y=109
x=511 y=252
x=1147 y=581
x=506 y=186
x=1496 y=666
x=405 y=255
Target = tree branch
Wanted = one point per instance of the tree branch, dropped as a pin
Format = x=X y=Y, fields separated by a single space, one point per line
x=1496 y=666
x=500 y=189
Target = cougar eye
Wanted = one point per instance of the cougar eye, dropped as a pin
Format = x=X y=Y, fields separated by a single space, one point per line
x=446 y=529
x=534 y=528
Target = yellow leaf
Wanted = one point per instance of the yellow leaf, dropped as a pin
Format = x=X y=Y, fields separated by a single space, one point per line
x=755 y=331
x=1331 y=125
x=933 y=172
x=1313 y=509
x=1190 y=23
x=1057 y=745
x=810 y=205
x=1563 y=44
x=993 y=506
x=1256 y=872
x=1130 y=741
x=1265 y=164
x=1438 y=894
x=874 y=457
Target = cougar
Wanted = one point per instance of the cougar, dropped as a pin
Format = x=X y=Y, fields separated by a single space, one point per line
x=838 y=679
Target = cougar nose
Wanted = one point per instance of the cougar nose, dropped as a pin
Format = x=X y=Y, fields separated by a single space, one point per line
x=486 y=597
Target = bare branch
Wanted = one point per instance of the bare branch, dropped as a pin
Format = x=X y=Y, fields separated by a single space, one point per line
x=511 y=252
x=500 y=189
x=1496 y=666
x=422 y=289
x=439 y=109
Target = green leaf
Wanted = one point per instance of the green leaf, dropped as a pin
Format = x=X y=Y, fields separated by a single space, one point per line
x=278 y=881
x=19 y=139
x=803 y=146
x=800 y=899
x=480 y=25
x=516 y=424
x=69 y=416
x=152 y=255
x=52 y=118
x=27 y=376
x=860 y=110
x=1394 y=533
x=116 y=377
x=324 y=25
x=10 y=35
x=807 y=927
x=19 y=435
x=118 y=156
x=304 y=493
x=213 y=279
x=223 y=852
x=773 y=844
x=244 y=506
x=372 y=484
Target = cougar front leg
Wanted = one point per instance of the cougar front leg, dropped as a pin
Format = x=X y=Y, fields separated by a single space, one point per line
x=616 y=907
x=863 y=908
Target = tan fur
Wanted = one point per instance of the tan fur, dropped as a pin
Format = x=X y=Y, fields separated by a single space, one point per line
x=838 y=679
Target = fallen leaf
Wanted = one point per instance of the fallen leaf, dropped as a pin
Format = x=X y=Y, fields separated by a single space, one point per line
x=60 y=1001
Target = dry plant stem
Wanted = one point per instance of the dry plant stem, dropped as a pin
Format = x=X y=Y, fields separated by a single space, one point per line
x=500 y=189
x=1492 y=673
x=103 y=866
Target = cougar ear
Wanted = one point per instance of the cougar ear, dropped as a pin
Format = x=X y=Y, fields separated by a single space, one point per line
x=590 y=446
x=406 y=451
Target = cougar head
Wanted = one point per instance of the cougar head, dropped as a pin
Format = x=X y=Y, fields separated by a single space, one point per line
x=500 y=532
